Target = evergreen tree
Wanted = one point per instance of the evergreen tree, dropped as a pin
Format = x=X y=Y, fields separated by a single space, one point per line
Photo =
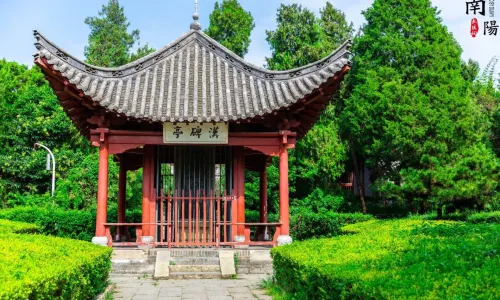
x=110 y=43
x=408 y=113
x=487 y=94
x=231 y=26
x=334 y=28
x=295 y=42
x=299 y=39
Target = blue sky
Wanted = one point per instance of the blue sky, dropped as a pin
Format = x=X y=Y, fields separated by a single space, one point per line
x=160 y=22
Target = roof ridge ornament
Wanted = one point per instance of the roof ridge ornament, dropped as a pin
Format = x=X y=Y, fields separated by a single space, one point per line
x=195 y=25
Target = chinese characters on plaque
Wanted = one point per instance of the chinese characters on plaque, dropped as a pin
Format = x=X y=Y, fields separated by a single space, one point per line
x=195 y=133
x=484 y=8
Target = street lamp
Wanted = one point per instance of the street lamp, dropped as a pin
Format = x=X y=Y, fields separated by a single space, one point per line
x=49 y=156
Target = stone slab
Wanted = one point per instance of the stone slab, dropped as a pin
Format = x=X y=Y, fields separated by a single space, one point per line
x=260 y=256
x=226 y=260
x=162 y=265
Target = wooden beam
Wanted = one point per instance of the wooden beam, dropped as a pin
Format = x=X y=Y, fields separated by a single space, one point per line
x=307 y=118
x=311 y=113
x=68 y=104
x=156 y=138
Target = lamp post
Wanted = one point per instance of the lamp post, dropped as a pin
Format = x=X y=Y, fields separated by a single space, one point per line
x=51 y=155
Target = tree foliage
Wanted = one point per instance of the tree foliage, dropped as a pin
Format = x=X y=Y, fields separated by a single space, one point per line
x=231 y=26
x=110 y=43
x=408 y=111
x=299 y=39
x=30 y=114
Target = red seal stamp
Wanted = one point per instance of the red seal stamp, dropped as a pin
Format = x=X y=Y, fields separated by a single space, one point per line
x=474 y=27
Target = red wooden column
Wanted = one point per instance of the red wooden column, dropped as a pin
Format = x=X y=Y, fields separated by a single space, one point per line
x=284 y=202
x=234 y=204
x=122 y=192
x=147 y=173
x=152 y=194
x=102 y=192
x=263 y=195
x=239 y=161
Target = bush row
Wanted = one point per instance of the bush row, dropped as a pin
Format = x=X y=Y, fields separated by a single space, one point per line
x=485 y=217
x=305 y=224
x=80 y=224
x=397 y=259
x=74 y=224
x=43 y=267
x=17 y=227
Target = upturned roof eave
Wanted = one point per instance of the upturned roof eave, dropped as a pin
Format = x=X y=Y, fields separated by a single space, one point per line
x=43 y=43
x=235 y=89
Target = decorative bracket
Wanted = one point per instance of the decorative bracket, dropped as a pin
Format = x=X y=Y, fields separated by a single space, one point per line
x=103 y=132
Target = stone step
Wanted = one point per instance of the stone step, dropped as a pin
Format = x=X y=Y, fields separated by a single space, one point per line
x=128 y=255
x=194 y=261
x=200 y=275
x=193 y=253
x=194 y=268
x=132 y=268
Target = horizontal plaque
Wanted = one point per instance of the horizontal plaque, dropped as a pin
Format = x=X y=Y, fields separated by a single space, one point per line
x=195 y=133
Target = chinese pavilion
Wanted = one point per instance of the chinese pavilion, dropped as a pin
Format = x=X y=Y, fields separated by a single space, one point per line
x=194 y=116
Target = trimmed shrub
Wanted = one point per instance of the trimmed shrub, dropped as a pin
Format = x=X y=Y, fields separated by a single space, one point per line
x=74 y=224
x=485 y=217
x=17 y=227
x=397 y=259
x=43 y=267
x=305 y=224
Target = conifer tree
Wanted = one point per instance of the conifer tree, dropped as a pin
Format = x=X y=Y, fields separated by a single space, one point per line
x=408 y=113
x=110 y=43
x=299 y=39
x=231 y=26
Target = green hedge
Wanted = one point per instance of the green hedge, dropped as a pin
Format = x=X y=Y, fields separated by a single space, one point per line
x=74 y=224
x=397 y=259
x=17 y=227
x=43 y=267
x=486 y=217
x=305 y=224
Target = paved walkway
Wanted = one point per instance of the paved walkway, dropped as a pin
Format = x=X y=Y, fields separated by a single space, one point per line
x=137 y=287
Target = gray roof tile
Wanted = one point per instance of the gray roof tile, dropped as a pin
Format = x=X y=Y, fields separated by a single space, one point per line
x=192 y=79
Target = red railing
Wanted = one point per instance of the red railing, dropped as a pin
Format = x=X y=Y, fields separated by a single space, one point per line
x=198 y=219
x=195 y=219
x=347 y=182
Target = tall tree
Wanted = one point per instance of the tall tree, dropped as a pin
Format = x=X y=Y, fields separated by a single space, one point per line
x=408 y=113
x=31 y=113
x=486 y=91
x=231 y=26
x=296 y=39
x=299 y=39
x=110 y=43
x=334 y=28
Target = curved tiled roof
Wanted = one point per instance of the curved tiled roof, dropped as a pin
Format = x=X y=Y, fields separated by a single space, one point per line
x=192 y=79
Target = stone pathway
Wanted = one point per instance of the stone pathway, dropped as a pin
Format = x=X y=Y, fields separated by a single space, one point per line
x=139 y=287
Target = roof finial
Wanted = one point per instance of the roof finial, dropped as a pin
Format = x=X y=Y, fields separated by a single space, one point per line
x=195 y=25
